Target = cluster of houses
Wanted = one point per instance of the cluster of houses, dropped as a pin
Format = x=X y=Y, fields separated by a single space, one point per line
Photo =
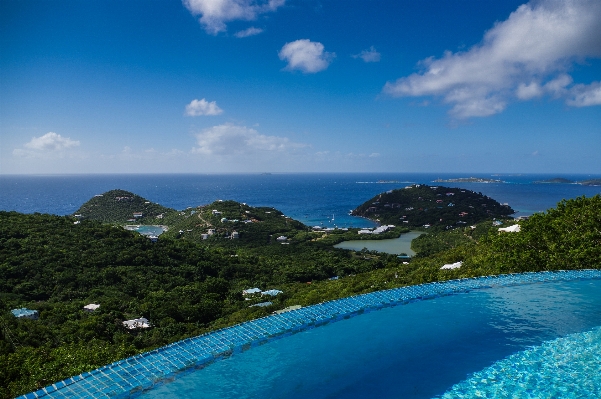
x=377 y=230
x=133 y=324
x=249 y=293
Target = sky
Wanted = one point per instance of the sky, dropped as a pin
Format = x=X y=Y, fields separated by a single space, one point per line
x=285 y=86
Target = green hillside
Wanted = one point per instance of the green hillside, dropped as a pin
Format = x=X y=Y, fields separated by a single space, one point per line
x=185 y=286
x=435 y=206
x=120 y=206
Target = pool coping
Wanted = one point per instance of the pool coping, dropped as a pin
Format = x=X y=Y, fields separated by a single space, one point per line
x=132 y=376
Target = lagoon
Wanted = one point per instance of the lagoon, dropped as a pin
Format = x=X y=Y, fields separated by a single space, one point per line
x=147 y=230
x=395 y=246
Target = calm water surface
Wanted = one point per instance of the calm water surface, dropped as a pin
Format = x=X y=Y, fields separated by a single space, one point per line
x=395 y=246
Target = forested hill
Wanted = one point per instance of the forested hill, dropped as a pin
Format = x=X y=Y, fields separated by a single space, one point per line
x=436 y=206
x=120 y=206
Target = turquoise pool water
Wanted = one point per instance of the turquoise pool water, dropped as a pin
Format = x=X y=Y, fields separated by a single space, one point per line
x=423 y=350
x=534 y=333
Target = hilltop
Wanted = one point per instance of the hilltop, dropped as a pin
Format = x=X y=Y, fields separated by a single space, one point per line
x=120 y=206
x=432 y=206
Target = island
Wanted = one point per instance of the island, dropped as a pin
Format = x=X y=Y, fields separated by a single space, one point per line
x=556 y=180
x=432 y=207
x=468 y=180
x=591 y=182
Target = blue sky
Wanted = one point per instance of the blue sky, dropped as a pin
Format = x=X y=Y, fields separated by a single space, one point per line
x=222 y=86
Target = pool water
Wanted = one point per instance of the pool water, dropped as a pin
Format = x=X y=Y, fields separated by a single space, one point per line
x=486 y=343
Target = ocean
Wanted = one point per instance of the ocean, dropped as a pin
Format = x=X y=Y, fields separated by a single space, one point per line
x=314 y=199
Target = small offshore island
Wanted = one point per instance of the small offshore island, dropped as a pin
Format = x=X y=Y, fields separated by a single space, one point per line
x=101 y=293
x=468 y=180
x=561 y=180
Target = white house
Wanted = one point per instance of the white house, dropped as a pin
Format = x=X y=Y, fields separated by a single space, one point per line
x=91 y=307
x=133 y=324
x=511 y=229
x=271 y=292
x=450 y=266
x=250 y=291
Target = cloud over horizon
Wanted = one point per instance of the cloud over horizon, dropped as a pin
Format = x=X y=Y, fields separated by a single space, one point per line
x=49 y=144
x=202 y=107
x=524 y=57
x=305 y=56
x=234 y=140
x=216 y=13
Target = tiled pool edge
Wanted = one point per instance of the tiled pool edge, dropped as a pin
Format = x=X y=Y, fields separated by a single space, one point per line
x=130 y=377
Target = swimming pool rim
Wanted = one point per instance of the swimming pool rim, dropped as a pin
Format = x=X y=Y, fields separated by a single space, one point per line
x=132 y=376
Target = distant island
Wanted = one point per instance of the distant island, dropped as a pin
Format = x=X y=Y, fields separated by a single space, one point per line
x=556 y=180
x=561 y=180
x=592 y=182
x=434 y=207
x=468 y=180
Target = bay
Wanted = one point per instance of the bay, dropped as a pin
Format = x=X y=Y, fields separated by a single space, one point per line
x=315 y=199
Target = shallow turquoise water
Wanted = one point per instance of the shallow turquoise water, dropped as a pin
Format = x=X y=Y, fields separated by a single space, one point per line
x=419 y=350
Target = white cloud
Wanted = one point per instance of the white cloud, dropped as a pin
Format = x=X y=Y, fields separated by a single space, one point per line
x=585 y=95
x=306 y=56
x=370 y=55
x=51 y=142
x=524 y=57
x=248 y=32
x=216 y=13
x=202 y=107
x=233 y=140
x=50 y=145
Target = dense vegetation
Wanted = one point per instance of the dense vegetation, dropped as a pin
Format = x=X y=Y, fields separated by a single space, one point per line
x=120 y=206
x=186 y=286
x=440 y=208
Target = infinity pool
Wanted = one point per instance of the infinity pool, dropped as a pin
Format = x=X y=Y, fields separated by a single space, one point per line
x=423 y=350
x=528 y=335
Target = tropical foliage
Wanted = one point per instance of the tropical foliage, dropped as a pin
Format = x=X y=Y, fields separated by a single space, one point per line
x=186 y=285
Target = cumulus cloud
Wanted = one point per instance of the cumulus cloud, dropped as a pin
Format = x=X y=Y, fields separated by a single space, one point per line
x=585 y=95
x=306 y=56
x=524 y=57
x=49 y=144
x=370 y=55
x=202 y=107
x=214 y=14
x=233 y=140
x=248 y=32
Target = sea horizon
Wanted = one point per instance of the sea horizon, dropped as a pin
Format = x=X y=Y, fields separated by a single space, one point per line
x=323 y=198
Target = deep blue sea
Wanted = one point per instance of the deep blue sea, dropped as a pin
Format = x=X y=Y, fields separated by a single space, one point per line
x=310 y=198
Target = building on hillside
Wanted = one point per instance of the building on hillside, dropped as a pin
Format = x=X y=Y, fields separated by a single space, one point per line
x=235 y=235
x=134 y=324
x=271 y=292
x=261 y=305
x=281 y=238
x=91 y=307
x=250 y=291
x=138 y=215
x=25 y=313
